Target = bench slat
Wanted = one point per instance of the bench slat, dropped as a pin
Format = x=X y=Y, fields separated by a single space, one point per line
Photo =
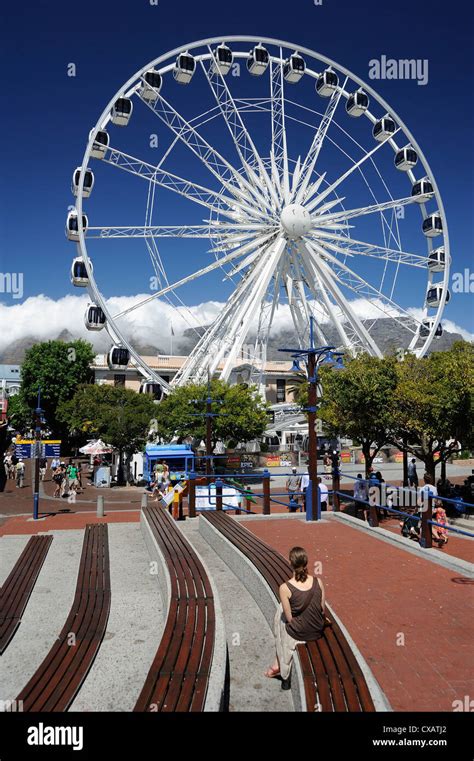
x=17 y=589
x=179 y=674
x=57 y=681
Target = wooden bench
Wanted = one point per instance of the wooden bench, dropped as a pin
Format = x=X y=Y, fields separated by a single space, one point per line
x=56 y=682
x=332 y=677
x=18 y=587
x=179 y=675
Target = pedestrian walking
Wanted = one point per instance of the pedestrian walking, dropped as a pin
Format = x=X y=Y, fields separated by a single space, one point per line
x=20 y=474
x=293 y=486
x=412 y=474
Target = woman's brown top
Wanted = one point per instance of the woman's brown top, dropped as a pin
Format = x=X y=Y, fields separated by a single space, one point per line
x=307 y=622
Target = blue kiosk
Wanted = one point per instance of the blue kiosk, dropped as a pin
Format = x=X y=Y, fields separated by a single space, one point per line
x=179 y=458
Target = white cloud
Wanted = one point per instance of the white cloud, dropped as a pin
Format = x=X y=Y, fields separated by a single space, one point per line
x=43 y=318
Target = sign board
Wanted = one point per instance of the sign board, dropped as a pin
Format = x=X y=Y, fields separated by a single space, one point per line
x=398 y=457
x=233 y=461
x=25 y=448
x=346 y=455
x=272 y=460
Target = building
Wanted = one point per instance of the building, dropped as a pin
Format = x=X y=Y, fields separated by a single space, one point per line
x=10 y=380
x=278 y=376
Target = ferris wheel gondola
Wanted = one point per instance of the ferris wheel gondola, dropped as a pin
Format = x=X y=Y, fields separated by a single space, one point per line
x=94 y=318
x=422 y=190
x=294 y=68
x=433 y=225
x=79 y=275
x=72 y=225
x=121 y=112
x=184 y=68
x=258 y=60
x=151 y=85
x=327 y=83
x=357 y=103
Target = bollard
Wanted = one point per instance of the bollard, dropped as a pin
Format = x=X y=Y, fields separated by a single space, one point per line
x=266 y=492
x=100 y=506
x=192 y=494
x=426 y=528
x=218 y=494
x=336 y=487
x=144 y=501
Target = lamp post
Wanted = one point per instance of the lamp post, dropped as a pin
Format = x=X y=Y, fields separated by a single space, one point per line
x=208 y=414
x=313 y=357
x=39 y=421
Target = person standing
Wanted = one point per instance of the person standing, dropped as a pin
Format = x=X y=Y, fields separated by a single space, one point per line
x=43 y=466
x=293 y=485
x=360 y=496
x=323 y=495
x=55 y=463
x=20 y=473
x=412 y=474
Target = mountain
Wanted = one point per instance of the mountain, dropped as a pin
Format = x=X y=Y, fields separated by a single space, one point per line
x=388 y=334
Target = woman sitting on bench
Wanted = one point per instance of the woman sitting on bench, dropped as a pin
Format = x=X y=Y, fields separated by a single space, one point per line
x=300 y=615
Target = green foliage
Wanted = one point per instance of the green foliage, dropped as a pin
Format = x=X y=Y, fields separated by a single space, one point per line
x=433 y=402
x=241 y=416
x=19 y=414
x=58 y=368
x=356 y=401
x=119 y=416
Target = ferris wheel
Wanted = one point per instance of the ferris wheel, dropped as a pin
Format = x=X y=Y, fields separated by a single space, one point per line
x=283 y=173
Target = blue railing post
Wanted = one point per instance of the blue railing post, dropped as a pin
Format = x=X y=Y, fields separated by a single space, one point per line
x=192 y=494
x=219 y=484
x=319 y=503
x=266 y=492
x=309 y=501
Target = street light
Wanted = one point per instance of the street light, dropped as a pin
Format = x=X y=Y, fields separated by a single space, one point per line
x=39 y=423
x=313 y=357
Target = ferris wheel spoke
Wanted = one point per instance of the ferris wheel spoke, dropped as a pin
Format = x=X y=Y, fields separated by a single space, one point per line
x=355 y=166
x=210 y=158
x=246 y=314
x=278 y=147
x=216 y=337
x=372 y=209
x=244 y=144
x=359 y=248
x=204 y=271
x=328 y=280
x=318 y=140
x=171 y=231
x=320 y=294
x=358 y=285
x=190 y=190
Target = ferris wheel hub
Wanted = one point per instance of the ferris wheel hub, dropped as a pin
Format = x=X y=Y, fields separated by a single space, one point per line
x=295 y=220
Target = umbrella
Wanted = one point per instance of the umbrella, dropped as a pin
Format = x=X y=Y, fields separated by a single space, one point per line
x=96 y=447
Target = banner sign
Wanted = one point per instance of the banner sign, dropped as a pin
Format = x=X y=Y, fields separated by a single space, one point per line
x=25 y=448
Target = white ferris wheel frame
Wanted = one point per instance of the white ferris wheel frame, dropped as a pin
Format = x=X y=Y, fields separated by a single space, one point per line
x=323 y=274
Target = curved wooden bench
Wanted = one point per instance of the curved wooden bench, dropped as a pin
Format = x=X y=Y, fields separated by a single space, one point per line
x=332 y=677
x=56 y=682
x=18 y=587
x=179 y=675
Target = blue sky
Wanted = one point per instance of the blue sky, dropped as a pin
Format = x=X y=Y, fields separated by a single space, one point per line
x=47 y=116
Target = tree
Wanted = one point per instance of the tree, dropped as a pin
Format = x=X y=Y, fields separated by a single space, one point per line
x=58 y=368
x=432 y=404
x=356 y=402
x=119 y=416
x=241 y=416
x=19 y=414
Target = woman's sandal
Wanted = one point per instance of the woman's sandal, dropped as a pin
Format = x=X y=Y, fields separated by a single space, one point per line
x=271 y=673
